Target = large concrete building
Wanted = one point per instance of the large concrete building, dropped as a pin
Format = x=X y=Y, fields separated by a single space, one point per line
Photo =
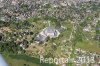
x=47 y=32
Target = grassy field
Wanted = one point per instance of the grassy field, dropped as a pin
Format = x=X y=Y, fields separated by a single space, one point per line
x=89 y=46
x=20 y=60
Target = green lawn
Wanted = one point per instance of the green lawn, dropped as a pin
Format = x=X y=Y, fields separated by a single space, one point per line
x=20 y=60
x=88 y=46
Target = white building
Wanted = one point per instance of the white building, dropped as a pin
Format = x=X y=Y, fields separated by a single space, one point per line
x=47 y=32
x=51 y=32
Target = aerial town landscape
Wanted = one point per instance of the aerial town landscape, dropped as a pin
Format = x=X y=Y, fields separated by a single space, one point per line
x=67 y=29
